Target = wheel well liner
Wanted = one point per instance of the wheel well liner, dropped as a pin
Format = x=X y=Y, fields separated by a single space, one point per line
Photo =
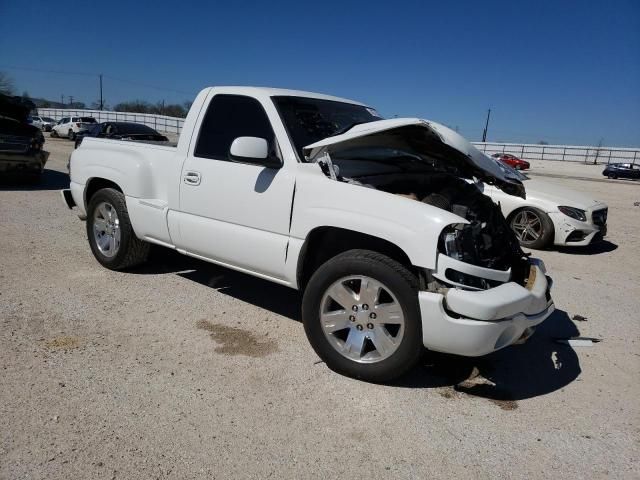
x=324 y=243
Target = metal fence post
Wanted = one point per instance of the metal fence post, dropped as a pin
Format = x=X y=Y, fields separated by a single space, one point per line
x=564 y=150
x=522 y=153
x=634 y=157
x=542 y=157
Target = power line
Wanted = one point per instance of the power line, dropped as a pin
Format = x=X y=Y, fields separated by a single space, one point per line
x=88 y=74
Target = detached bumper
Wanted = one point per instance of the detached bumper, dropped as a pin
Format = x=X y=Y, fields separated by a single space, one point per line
x=475 y=323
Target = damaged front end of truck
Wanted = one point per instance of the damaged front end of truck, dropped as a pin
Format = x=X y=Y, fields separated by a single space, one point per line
x=482 y=281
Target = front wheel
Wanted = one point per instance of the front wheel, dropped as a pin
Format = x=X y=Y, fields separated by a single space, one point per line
x=54 y=133
x=111 y=236
x=533 y=228
x=360 y=313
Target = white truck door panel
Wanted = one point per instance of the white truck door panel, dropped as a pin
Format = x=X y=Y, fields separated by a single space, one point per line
x=234 y=213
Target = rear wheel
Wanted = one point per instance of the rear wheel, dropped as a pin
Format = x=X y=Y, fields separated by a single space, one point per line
x=360 y=313
x=533 y=227
x=54 y=133
x=111 y=236
x=71 y=135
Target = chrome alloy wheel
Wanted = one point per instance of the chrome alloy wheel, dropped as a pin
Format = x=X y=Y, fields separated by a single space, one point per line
x=527 y=226
x=106 y=229
x=362 y=319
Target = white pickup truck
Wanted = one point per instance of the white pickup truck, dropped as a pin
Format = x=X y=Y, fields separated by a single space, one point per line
x=378 y=222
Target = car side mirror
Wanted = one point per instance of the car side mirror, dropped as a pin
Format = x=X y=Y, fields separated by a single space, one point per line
x=254 y=151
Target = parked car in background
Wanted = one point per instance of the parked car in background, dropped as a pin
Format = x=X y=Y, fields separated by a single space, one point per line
x=512 y=161
x=20 y=143
x=374 y=220
x=43 y=123
x=69 y=126
x=121 y=131
x=551 y=214
x=622 y=170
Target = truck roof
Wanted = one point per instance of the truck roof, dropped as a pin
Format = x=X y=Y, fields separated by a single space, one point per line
x=273 y=92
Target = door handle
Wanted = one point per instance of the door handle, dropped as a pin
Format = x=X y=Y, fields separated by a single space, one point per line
x=192 y=178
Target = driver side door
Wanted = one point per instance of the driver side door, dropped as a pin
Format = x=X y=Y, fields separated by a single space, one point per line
x=236 y=214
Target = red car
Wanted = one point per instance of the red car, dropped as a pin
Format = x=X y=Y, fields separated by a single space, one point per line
x=512 y=161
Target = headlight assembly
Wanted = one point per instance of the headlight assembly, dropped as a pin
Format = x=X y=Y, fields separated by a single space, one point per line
x=574 y=213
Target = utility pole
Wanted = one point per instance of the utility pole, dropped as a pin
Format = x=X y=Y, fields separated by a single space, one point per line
x=62 y=99
x=70 y=100
x=162 y=113
x=101 y=102
x=486 y=126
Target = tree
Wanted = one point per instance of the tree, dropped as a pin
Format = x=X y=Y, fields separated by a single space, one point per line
x=6 y=84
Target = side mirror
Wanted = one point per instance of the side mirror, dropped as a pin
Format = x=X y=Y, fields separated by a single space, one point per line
x=254 y=151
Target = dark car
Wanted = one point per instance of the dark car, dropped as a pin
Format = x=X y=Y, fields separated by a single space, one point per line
x=622 y=170
x=121 y=131
x=20 y=143
x=512 y=161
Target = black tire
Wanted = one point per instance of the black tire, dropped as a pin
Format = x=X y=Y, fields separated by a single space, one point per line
x=54 y=133
x=546 y=234
x=71 y=135
x=400 y=281
x=132 y=251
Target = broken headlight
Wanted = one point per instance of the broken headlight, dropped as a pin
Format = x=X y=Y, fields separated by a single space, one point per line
x=573 y=212
x=451 y=240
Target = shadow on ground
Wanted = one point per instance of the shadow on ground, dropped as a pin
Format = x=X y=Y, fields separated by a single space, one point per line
x=49 y=180
x=261 y=293
x=603 y=246
x=535 y=368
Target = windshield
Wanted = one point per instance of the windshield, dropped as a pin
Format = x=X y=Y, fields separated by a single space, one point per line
x=309 y=120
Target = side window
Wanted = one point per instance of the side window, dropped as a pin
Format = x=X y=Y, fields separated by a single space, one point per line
x=64 y=120
x=229 y=117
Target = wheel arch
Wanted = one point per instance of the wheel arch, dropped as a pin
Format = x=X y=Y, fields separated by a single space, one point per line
x=324 y=243
x=98 y=183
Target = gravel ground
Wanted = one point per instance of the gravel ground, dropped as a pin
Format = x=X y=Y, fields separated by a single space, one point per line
x=182 y=369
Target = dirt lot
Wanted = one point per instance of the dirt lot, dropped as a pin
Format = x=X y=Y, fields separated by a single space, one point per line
x=182 y=369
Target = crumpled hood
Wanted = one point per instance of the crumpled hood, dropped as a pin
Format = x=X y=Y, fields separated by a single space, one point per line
x=421 y=135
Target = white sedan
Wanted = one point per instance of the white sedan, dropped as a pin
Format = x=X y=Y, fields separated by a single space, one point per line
x=551 y=214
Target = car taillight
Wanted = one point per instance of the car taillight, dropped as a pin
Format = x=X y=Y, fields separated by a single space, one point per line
x=77 y=125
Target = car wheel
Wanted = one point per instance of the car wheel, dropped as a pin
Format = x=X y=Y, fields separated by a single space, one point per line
x=71 y=135
x=54 y=133
x=111 y=236
x=360 y=313
x=533 y=227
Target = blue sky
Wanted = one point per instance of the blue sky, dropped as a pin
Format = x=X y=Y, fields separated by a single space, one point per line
x=559 y=71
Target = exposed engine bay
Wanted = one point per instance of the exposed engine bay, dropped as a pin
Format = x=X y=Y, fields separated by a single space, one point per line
x=486 y=241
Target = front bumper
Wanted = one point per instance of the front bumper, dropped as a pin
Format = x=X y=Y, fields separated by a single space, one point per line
x=475 y=323
x=575 y=233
